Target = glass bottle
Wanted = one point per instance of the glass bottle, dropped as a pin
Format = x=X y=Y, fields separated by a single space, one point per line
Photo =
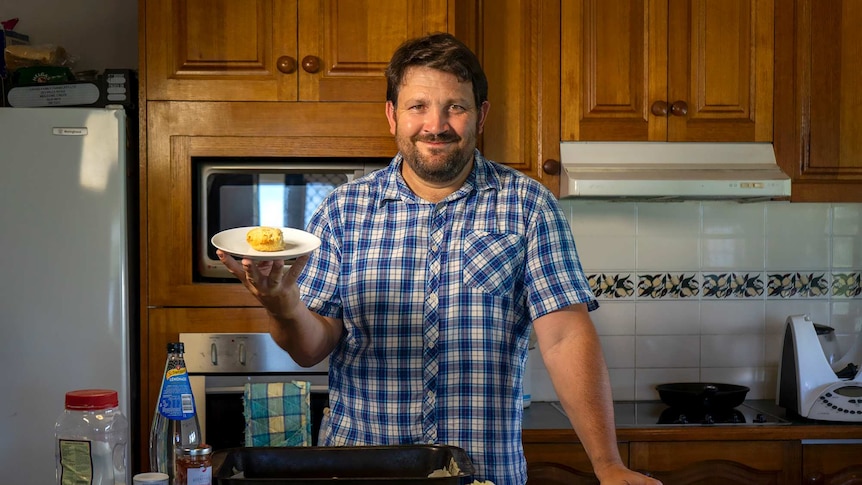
x=175 y=421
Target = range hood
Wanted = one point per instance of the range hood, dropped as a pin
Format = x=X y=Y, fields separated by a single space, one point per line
x=671 y=171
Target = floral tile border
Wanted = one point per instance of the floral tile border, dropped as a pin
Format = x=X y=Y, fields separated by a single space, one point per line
x=668 y=285
x=744 y=285
x=847 y=285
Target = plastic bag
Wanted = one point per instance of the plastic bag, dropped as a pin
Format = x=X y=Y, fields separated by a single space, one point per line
x=18 y=56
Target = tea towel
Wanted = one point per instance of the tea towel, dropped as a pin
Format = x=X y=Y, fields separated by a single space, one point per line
x=277 y=413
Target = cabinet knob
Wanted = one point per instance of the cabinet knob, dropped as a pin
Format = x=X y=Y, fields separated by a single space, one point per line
x=659 y=108
x=552 y=167
x=679 y=108
x=310 y=64
x=814 y=478
x=286 y=64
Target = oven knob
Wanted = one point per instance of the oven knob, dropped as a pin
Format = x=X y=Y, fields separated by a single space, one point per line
x=213 y=353
x=708 y=419
x=242 y=353
x=760 y=418
x=681 y=419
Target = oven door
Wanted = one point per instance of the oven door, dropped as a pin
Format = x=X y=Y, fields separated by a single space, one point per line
x=219 y=402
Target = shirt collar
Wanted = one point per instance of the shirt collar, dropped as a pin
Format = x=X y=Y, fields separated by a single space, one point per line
x=483 y=177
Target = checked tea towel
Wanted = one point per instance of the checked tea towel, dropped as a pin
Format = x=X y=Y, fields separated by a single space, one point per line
x=277 y=414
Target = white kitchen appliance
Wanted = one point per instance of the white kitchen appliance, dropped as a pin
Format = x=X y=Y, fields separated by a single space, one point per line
x=808 y=385
x=67 y=234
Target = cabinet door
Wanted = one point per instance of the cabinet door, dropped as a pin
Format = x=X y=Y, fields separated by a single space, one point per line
x=818 y=122
x=519 y=49
x=719 y=462
x=614 y=65
x=224 y=50
x=279 y=50
x=720 y=66
x=345 y=45
x=669 y=70
x=561 y=464
x=832 y=464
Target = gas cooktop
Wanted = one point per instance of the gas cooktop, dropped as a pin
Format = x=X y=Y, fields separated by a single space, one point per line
x=629 y=414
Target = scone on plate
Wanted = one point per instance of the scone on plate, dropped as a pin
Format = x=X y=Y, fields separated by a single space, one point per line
x=265 y=238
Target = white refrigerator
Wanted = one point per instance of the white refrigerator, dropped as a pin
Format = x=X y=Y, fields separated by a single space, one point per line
x=67 y=308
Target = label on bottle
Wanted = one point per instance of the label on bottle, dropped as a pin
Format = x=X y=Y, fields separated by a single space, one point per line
x=176 y=401
x=76 y=464
x=200 y=476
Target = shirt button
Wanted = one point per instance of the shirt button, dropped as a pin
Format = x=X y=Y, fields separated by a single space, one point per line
x=431 y=344
x=431 y=394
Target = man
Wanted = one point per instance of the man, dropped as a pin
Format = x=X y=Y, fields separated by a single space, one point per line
x=430 y=275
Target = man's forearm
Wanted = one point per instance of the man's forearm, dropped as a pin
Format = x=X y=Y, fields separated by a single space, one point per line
x=306 y=336
x=572 y=353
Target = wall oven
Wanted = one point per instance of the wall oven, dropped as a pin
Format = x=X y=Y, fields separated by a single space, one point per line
x=219 y=366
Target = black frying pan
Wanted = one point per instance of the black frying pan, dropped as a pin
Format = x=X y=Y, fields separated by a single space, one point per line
x=701 y=395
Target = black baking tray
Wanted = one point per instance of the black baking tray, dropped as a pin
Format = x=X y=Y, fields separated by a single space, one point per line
x=362 y=465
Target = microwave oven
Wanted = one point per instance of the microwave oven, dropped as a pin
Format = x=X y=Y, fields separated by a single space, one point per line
x=231 y=193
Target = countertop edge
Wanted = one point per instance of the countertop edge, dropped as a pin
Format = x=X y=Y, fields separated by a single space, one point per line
x=544 y=424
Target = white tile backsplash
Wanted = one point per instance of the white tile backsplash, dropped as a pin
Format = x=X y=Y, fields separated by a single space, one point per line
x=732 y=317
x=847 y=220
x=619 y=351
x=614 y=318
x=667 y=318
x=667 y=253
x=710 y=287
x=722 y=219
x=846 y=252
x=665 y=219
x=607 y=252
x=674 y=351
x=731 y=350
x=729 y=253
x=607 y=219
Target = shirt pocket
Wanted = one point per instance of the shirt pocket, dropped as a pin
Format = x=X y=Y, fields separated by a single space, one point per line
x=492 y=261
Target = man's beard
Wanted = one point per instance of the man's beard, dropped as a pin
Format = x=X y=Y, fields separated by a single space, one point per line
x=446 y=168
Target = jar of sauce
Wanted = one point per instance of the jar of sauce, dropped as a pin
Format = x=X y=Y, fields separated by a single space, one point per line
x=194 y=466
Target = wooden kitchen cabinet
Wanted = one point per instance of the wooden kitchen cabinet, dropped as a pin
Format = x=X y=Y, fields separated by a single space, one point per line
x=718 y=462
x=561 y=464
x=667 y=70
x=519 y=47
x=832 y=464
x=280 y=50
x=818 y=98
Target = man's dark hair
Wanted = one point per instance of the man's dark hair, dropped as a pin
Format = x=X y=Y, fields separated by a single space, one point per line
x=439 y=51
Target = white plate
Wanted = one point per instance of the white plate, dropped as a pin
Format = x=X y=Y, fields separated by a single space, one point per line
x=298 y=242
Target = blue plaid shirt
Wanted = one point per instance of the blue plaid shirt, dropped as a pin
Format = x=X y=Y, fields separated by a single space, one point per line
x=437 y=302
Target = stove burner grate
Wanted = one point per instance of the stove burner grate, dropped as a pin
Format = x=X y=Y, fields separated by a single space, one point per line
x=708 y=416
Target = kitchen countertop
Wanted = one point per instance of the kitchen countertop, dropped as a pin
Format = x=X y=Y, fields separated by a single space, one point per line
x=544 y=421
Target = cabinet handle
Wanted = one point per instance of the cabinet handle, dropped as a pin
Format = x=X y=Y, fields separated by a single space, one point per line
x=659 y=108
x=311 y=64
x=679 y=108
x=551 y=167
x=814 y=478
x=286 y=64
